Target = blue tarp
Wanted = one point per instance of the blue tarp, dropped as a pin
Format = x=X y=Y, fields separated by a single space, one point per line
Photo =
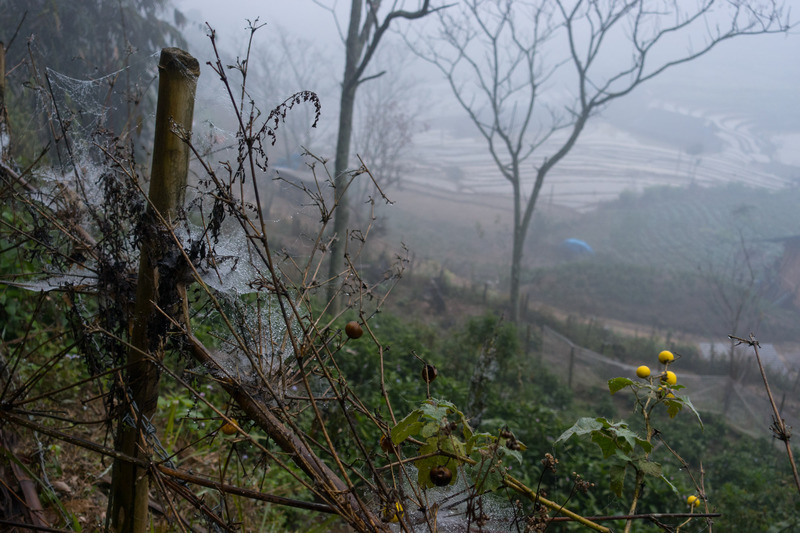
x=577 y=246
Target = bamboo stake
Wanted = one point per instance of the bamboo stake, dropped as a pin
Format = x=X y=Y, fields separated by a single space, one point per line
x=178 y=73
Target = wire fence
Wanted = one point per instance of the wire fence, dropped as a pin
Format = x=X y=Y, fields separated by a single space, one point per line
x=744 y=406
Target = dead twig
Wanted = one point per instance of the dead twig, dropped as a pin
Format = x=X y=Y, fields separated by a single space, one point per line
x=779 y=428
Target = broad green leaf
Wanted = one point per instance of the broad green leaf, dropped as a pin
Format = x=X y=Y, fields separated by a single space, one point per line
x=622 y=456
x=606 y=442
x=673 y=408
x=437 y=409
x=628 y=436
x=433 y=445
x=513 y=453
x=618 y=479
x=406 y=427
x=650 y=468
x=617 y=384
x=486 y=474
x=478 y=439
x=581 y=427
x=429 y=429
x=646 y=446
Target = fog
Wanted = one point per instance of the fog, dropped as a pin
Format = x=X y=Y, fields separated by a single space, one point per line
x=728 y=118
x=736 y=106
x=671 y=223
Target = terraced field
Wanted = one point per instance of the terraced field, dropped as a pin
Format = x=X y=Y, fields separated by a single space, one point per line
x=702 y=148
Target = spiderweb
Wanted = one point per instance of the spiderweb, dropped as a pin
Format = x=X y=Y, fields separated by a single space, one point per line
x=81 y=106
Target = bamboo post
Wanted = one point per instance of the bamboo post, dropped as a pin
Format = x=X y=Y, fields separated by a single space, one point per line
x=178 y=73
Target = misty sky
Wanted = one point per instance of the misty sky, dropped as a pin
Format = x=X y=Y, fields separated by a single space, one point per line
x=744 y=94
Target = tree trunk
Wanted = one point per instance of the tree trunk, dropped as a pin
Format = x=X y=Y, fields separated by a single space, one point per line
x=178 y=72
x=342 y=216
x=353 y=47
x=516 y=270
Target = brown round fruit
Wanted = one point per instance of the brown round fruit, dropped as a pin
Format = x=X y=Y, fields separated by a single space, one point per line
x=429 y=373
x=441 y=476
x=353 y=330
x=230 y=427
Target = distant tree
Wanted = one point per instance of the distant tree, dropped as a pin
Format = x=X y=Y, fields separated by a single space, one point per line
x=291 y=63
x=736 y=297
x=503 y=58
x=387 y=116
x=365 y=30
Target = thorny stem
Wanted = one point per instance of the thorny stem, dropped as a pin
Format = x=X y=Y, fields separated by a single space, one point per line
x=637 y=493
x=779 y=428
x=699 y=486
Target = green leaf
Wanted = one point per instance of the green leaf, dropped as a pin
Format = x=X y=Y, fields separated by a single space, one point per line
x=617 y=479
x=487 y=475
x=622 y=456
x=673 y=407
x=617 y=384
x=433 y=445
x=467 y=431
x=689 y=404
x=406 y=427
x=582 y=427
x=628 y=436
x=650 y=468
x=513 y=453
x=429 y=429
x=437 y=409
x=606 y=442
x=673 y=487
x=646 y=446
x=478 y=439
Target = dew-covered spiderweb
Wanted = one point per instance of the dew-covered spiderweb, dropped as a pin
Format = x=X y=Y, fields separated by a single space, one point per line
x=456 y=508
x=81 y=105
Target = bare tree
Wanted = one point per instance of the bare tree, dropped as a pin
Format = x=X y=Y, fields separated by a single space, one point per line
x=388 y=114
x=294 y=62
x=502 y=58
x=364 y=34
x=736 y=297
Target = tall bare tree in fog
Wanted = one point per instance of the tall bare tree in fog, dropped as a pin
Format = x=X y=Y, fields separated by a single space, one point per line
x=364 y=34
x=500 y=57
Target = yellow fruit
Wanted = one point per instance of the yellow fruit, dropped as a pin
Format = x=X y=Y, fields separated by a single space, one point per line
x=665 y=357
x=392 y=514
x=666 y=393
x=693 y=501
x=670 y=378
x=643 y=371
x=230 y=427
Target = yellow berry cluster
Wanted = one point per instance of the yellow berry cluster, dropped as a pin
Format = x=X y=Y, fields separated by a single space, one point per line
x=668 y=377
